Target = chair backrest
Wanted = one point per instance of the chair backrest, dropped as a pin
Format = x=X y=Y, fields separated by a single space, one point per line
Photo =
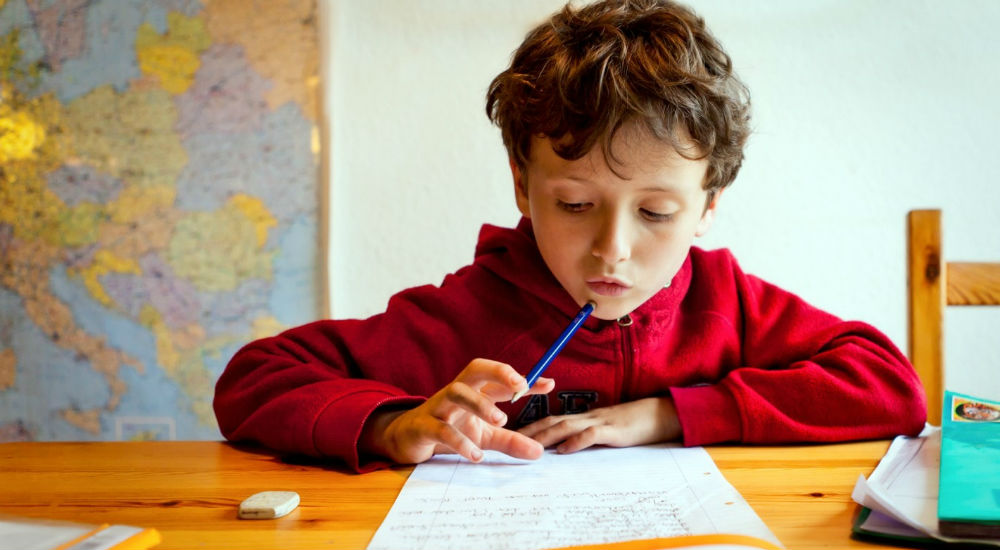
x=933 y=284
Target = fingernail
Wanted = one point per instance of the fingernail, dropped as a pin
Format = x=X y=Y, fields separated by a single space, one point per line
x=499 y=417
x=477 y=455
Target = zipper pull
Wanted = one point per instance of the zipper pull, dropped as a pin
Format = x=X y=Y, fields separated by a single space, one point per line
x=625 y=321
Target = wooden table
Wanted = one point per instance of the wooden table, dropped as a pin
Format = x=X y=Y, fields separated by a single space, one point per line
x=190 y=491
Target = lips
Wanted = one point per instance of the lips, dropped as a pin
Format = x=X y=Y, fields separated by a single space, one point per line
x=608 y=286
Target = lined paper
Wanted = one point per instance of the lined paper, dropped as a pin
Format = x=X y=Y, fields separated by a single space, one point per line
x=598 y=495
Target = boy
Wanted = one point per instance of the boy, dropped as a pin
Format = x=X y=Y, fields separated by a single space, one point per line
x=624 y=123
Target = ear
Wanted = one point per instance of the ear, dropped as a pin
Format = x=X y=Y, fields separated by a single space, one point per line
x=708 y=216
x=520 y=188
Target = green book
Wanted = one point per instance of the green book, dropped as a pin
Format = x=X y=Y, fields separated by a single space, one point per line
x=969 y=490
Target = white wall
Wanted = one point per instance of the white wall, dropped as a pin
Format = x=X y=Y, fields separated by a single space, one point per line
x=862 y=111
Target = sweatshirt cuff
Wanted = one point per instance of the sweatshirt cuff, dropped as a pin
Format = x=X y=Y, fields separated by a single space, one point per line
x=338 y=428
x=708 y=414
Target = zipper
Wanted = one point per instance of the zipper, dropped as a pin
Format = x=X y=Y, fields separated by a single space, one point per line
x=624 y=323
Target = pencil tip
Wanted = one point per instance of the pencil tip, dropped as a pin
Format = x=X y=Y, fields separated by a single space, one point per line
x=519 y=394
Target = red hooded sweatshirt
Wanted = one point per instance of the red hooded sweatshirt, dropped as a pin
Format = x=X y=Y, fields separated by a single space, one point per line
x=743 y=360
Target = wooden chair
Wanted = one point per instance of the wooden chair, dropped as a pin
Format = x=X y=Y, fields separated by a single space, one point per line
x=932 y=284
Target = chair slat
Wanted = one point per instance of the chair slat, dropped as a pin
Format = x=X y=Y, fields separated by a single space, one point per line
x=973 y=284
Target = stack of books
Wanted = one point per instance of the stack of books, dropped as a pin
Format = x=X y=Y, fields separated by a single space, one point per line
x=943 y=486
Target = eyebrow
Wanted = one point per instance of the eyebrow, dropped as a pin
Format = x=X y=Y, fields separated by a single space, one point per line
x=576 y=178
x=665 y=189
x=583 y=180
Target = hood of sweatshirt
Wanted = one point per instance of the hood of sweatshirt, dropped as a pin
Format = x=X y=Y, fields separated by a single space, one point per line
x=513 y=255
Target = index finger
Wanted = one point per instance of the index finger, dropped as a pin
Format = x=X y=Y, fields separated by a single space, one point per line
x=513 y=444
x=482 y=372
x=503 y=393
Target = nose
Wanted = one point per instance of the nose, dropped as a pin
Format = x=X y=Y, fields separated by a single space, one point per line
x=612 y=244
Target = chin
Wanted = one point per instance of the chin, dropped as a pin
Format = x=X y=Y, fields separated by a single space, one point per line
x=610 y=313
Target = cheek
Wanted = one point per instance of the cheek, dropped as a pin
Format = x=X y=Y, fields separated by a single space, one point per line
x=560 y=241
x=666 y=252
x=563 y=247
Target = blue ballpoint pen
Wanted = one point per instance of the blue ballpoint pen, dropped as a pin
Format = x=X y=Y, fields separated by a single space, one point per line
x=555 y=348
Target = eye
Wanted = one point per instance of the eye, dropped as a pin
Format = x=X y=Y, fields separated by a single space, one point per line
x=655 y=216
x=574 y=207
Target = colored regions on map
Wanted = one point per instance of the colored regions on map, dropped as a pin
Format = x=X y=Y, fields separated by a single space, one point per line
x=159 y=184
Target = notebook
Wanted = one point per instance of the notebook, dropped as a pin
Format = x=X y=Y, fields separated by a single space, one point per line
x=969 y=487
x=41 y=534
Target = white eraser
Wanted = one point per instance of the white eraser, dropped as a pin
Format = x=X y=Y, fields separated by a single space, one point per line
x=269 y=505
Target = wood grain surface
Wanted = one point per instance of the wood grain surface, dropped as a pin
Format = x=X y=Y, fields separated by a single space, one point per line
x=190 y=491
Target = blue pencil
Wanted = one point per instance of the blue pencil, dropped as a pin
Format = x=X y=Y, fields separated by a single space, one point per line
x=555 y=348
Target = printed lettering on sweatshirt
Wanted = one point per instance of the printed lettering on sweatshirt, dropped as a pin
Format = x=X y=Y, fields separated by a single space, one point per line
x=573 y=402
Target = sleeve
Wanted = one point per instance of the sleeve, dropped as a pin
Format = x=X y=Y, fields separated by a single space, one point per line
x=311 y=389
x=806 y=376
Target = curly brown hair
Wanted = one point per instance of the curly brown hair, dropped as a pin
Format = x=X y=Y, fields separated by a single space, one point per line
x=586 y=72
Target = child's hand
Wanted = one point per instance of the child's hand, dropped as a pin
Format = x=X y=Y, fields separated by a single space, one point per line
x=460 y=418
x=649 y=420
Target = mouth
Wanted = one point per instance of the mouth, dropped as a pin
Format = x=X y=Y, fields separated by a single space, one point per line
x=608 y=286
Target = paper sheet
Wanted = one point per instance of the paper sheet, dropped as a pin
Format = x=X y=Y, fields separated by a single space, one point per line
x=904 y=484
x=881 y=523
x=594 y=496
x=33 y=534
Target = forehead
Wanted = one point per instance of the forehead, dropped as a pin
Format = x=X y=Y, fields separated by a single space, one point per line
x=635 y=154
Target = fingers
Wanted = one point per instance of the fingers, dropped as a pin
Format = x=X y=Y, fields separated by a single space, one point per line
x=648 y=420
x=456 y=417
x=480 y=372
x=550 y=430
x=590 y=436
x=415 y=436
x=458 y=442
x=463 y=417
x=542 y=386
x=504 y=393
x=459 y=398
x=513 y=444
x=497 y=392
x=572 y=433
x=475 y=391
x=499 y=381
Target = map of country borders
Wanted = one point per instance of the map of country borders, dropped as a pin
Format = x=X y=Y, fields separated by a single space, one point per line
x=159 y=192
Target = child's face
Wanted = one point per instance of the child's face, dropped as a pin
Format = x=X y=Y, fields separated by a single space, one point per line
x=616 y=240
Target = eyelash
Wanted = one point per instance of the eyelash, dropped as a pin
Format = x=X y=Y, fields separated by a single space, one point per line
x=573 y=207
x=655 y=217
x=579 y=207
